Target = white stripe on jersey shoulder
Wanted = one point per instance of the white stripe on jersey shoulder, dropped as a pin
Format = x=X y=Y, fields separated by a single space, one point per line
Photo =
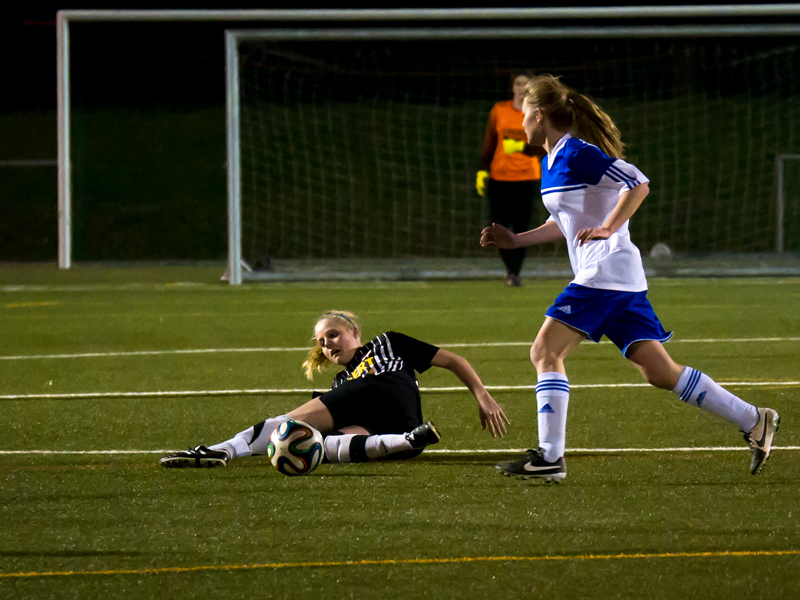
x=619 y=176
x=380 y=351
x=395 y=363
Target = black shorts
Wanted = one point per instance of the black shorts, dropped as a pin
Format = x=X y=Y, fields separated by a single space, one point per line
x=378 y=403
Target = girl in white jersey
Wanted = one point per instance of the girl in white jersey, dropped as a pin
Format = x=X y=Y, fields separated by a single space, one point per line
x=591 y=193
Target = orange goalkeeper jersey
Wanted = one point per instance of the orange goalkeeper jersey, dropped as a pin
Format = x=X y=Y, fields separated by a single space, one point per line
x=514 y=159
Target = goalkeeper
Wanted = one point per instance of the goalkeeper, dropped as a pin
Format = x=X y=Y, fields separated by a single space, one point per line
x=509 y=173
x=373 y=410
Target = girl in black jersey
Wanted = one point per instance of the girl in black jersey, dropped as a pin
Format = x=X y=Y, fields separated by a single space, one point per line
x=373 y=409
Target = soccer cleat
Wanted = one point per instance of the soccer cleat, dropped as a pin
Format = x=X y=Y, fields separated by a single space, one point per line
x=513 y=281
x=198 y=457
x=760 y=438
x=534 y=465
x=424 y=435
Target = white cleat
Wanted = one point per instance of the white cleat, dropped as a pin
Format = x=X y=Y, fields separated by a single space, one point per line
x=760 y=438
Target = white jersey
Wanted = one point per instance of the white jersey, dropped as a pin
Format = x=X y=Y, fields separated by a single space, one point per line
x=581 y=186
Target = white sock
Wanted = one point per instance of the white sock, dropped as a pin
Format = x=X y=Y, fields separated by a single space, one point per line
x=699 y=390
x=337 y=448
x=379 y=446
x=362 y=448
x=252 y=441
x=552 y=398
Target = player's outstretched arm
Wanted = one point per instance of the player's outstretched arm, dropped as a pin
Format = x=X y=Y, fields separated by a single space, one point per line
x=489 y=411
x=504 y=238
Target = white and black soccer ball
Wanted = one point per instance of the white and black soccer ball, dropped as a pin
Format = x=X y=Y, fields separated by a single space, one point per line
x=295 y=448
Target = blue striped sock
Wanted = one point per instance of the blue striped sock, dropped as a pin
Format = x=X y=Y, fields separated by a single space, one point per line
x=552 y=398
x=698 y=389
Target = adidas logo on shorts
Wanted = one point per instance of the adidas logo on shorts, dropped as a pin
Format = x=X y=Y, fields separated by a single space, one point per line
x=566 y=309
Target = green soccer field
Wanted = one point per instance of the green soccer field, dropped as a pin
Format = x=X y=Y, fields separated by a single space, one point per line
x=102 y=370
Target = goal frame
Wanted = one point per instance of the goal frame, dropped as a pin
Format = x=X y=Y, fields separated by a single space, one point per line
x=420 y=18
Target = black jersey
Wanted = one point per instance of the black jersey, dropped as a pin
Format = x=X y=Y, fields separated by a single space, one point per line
x=391 y=355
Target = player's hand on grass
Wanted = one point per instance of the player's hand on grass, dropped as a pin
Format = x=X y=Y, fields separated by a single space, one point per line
x=499 y=236
x=492 y=415
x=592 y=233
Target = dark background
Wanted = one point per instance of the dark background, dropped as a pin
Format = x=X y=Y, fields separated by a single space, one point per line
x=169 y=71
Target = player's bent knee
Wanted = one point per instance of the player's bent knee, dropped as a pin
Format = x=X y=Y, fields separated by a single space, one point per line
x=544 y=359
x=662 y=379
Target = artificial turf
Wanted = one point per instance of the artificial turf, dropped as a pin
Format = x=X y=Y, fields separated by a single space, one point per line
x=630 y=521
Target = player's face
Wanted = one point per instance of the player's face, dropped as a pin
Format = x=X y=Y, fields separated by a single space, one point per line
x=533 y=124
x=338 y=343
x=518 y=88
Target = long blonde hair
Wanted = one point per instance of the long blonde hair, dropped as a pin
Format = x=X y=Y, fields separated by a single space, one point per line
x=316 y=360
x=571 y=111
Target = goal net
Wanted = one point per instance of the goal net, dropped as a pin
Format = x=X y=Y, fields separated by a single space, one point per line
x=364 y=152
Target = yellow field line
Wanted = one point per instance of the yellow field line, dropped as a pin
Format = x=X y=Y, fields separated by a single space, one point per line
x=409 y=561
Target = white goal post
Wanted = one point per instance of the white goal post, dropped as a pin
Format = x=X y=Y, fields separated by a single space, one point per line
x=416 y=24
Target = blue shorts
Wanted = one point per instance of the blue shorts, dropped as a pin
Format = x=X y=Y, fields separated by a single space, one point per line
x=623 y=317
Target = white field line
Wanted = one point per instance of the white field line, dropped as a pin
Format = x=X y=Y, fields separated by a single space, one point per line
x=441 y=452
x=305 y=348
x=285 y=391
x=154 y=353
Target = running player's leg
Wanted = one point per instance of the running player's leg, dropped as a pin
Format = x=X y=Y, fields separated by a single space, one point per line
x=698 y=389
x=554 y=342
x=691 y=386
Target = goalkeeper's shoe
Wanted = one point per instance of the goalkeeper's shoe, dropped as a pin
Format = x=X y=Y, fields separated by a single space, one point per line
x=533 y=465
x=760 y=438
x=424 y=435
x=198 y=457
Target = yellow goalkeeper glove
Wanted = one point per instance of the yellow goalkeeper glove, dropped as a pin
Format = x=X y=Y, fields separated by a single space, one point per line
x=513 y=146
x=480 y=182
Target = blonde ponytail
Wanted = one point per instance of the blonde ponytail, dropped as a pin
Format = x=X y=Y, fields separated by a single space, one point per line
x=315 y=361
x=595 y=126
x=571 y=111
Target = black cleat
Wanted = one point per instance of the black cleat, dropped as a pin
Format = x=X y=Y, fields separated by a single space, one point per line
x=198 y=457
x=534 y=465
x=760 y=438
x=424 y=435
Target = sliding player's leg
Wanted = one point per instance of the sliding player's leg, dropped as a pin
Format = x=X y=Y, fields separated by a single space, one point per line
x=395 y=420
x=253 y=441
x=355 y=444
x=375 y=419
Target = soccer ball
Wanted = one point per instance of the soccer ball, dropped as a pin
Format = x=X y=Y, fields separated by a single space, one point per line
x=295 y=448
x=660 y=251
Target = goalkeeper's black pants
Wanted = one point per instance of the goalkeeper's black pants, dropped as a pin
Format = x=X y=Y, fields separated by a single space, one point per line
x=511 y=205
